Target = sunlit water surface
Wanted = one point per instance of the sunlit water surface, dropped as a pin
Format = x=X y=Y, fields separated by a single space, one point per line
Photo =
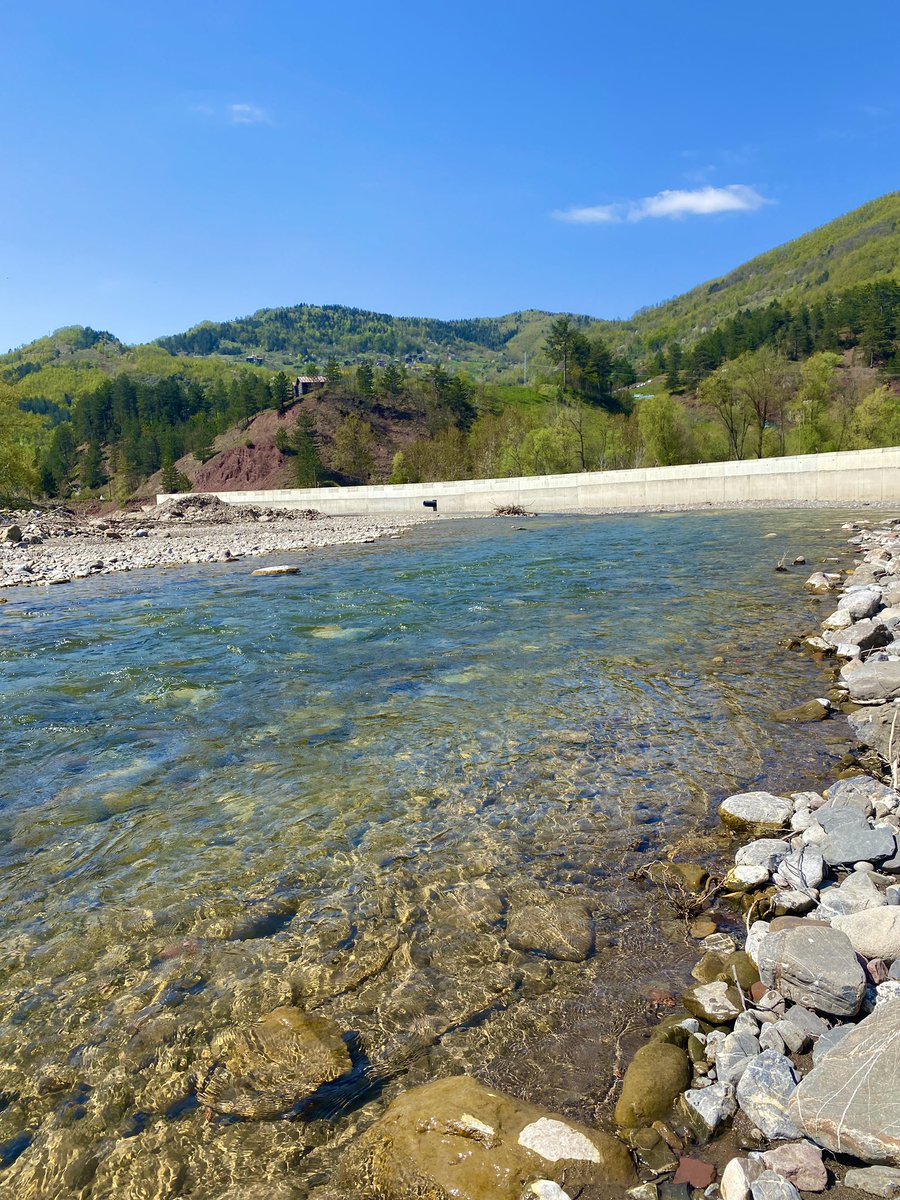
x=222 y=794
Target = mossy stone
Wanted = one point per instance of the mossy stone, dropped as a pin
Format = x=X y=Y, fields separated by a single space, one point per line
x=657 y=1074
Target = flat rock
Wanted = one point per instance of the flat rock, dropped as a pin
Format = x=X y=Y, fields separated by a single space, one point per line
x=876 y=1181
x=756 y=812
x=850 y=1103
x=815 y=966
x=559 y=927
x=764 y=1092
x=861 y=791
x=764 y=852
x=801 y=870
x=286 y=570
x=455 y=1137
x=875 y=682
x=872 y=727
x=874 y=933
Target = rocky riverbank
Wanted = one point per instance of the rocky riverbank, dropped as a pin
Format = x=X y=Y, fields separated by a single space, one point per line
x=59 y=545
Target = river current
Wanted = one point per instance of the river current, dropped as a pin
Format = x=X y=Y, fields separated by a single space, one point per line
x=222 y=794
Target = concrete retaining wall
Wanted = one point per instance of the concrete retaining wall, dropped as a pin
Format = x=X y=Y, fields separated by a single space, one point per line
x=847 y=477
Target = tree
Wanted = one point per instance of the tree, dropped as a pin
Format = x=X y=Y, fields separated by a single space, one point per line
x=282 y=392
x=353 y=445
x=393 y=379
x=59 y=462
x=762 y=380
x=814 y=397
x=365 y=379
x=561 y=343
x=663 y=427
x=673 y=367
x=332 y=372
x=729 y=406
x=305 y=444
x=876 y=421
x=92 y=473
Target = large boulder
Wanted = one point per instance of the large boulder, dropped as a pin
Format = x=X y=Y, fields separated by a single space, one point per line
x=658 y=1073
x=268 y=1068
x=849 y=838
x=873 y=933
x=815 y=966
x=849 y=1102
x=455 y=1138
x=560 y=927
x=756 y=812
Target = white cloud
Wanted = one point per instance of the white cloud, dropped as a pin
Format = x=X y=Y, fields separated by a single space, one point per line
x=247 y=114
x=673 y=204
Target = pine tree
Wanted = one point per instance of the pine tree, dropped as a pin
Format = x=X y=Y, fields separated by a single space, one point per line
x=305 y=443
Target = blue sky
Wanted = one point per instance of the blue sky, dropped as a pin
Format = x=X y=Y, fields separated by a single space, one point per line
x=167 y=163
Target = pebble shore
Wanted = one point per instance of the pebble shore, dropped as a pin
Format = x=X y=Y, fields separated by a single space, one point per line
x=58 y=546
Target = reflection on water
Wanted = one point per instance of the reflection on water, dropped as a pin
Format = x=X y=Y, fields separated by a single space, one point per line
x=222 y=795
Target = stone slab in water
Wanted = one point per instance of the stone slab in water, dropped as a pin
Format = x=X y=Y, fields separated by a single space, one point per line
x=275 y=571
x=757 y=812
x=455 y=1137
x=850 y=1103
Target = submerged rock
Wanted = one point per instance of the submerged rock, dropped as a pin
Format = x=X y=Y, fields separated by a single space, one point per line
x=658 y=1073
x=849 y=1103
x=560 y=927
x=269 y=1067
x=455 y=1137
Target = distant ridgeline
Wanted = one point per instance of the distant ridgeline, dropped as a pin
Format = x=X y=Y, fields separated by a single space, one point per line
x=794 y=351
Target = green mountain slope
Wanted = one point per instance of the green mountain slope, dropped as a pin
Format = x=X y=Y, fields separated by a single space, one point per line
x=854 y=249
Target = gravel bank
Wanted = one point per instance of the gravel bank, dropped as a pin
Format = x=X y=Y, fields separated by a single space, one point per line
x=55 y=547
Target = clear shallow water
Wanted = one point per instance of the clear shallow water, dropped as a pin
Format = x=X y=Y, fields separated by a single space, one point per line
x=223 y=794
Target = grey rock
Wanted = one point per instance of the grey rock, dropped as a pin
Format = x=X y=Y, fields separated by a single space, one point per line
x=772 y=1186
x=861 y=602
x=771 y=1039
x=765 y=852
x=758 y=812
x=875 y=682
x=11 y=534
x=865 y=634
x=708 y=1108
x=851 y=839
x=874 y=933
x=747 y=1023
x=861 y=791
x=792 y=1038
x=807 y=1022
x=828 y=1041
x=815 y=966
x=856 y=893
x=764 y=1092
x=876 y=1181
x=872 y=727
x=801 y=870
x=793 y=903
x=850 y=1103
x=887 y=992
x=739 y=1173
x=735 y=1054
x=756 y=935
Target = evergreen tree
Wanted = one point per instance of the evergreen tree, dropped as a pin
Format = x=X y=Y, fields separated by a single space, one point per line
x=332 y=372
x=92 y=475
x=305 y=443
x=282 y=391
x=354 y=442
x=365 y=379
x=673 y=367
